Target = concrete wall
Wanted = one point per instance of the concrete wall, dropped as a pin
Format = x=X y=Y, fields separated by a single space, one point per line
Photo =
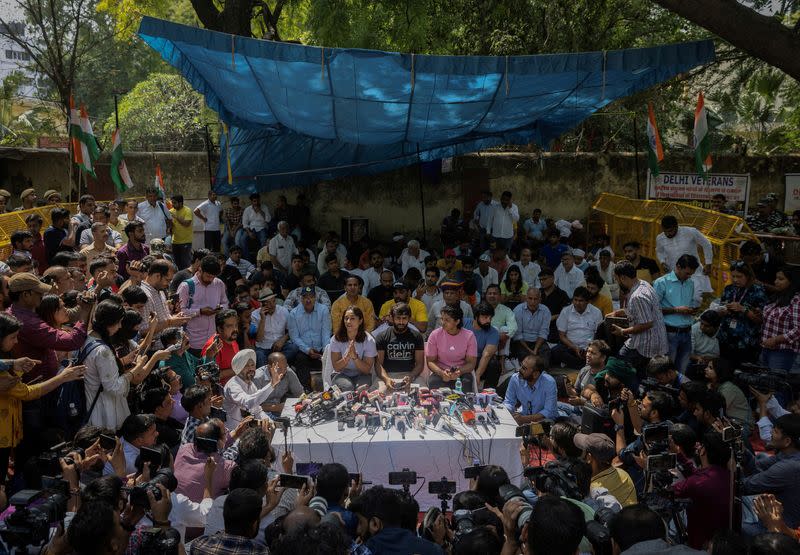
x=563 y=185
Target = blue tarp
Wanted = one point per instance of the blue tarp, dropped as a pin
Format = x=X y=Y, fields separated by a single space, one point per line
x=302 y=114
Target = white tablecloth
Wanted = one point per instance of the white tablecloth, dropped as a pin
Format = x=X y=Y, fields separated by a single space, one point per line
x=430 y=453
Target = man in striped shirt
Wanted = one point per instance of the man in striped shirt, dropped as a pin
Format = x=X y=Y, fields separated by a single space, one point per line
x=646 y=333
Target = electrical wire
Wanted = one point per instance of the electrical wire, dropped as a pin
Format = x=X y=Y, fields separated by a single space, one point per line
x=424 y=481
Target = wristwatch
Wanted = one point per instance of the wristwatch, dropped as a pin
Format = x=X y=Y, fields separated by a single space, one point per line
x=618 y=427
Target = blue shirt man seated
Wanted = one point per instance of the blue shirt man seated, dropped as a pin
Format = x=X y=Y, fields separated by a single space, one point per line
x=532 y=394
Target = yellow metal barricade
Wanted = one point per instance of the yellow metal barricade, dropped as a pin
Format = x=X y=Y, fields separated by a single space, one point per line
x=626 y=219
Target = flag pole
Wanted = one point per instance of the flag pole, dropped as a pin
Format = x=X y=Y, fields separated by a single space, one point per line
x=636 y=155
x=116 y=112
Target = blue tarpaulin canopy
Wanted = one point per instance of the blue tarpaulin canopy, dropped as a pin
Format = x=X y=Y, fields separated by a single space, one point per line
x=301 y=114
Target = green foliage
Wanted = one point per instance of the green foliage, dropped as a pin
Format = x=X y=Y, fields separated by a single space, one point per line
x=24 y=128
x=161 y=113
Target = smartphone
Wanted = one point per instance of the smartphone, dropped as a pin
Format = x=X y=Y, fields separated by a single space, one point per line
x=473 y=471
x=440 y=487
x=107 y=442
x=309 y=469
x=175 y=347
x=523 y=430
x=206 y=444
x=153 y=456
x=218 y=413
x=292 y=481
x=401 y=478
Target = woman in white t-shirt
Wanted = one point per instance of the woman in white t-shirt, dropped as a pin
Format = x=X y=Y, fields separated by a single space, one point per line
x=353 y=352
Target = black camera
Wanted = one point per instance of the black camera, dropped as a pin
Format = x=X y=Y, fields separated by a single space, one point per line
x=615 y=403
x=463 y=523
x=48 y=462
x=597 y=532
x=555 y=479
x=508 y=492
x=219 y=414
x=652 y=384
x=164 y=476
x=35 y=511
x=762 y=379
x=160 y=541
x=207 y=372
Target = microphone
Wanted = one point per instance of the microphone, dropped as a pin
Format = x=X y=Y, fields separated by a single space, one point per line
x=361 y=421
x=401 y=427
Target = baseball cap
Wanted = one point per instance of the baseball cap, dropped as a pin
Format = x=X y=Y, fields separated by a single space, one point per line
x=599 y=445
x=26 y=281
x=485 y=258
x=266 y=294
x=307 y=290
x=399 y=285
x=449 y=252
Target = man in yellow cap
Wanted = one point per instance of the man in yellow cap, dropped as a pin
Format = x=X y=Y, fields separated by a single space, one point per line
x=51 y=196
x=4 y=196
x=28 y=197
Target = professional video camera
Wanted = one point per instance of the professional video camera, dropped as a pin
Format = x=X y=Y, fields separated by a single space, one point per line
x=48 y=461
x=655 y=438
x=554 y=478
x=597 y=531
x=207 y=372
x=652 y=384
x=762 y=379
x=164 y=476
x=465 y=521
x=35 y=511
x=160 y=541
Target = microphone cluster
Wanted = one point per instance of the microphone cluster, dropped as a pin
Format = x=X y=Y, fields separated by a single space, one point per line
x=421 y=407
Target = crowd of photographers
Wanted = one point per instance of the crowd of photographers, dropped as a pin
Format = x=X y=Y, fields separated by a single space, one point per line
x=138 y=410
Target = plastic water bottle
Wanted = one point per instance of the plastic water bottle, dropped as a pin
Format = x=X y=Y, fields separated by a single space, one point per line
x=458 y=386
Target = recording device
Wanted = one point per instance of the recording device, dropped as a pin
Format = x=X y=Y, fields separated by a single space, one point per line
x=357 y=478
x=48 y=461
x=561 y=386
x=34 y=512
x=292 y=481
x=473 y=471
x=507 y=492
x=652 y=384
x=175 y=347
x=405 y=477
x=283 y=423
x=464 y=521
x=554 y=478
x=160 y=541
x=656 y=438
x=219 y=414
x=163 y=476
x=309 y=469
x=597 y=420
x=764 y=380
x=614 y=404
x=731 y=432
x=108 y=442
x=661 y=462
x=207 y=372
x=152 y=456
x=442 y=487
x=206 y=444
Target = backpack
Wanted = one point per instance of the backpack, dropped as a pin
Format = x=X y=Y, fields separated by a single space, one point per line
x=190 y=284
x=71 y=409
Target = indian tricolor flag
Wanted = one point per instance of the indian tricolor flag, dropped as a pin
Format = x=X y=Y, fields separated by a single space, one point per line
x=119 y=171
x=159 y=183
x=84 y=144
x=702 y=140
x=655 y=152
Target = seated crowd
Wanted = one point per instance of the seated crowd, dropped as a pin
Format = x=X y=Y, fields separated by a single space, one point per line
x=164 y=368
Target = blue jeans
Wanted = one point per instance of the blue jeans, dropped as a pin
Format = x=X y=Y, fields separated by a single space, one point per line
x=777 y=359
x=680 y=347
x=243 y=240
x=289 y=350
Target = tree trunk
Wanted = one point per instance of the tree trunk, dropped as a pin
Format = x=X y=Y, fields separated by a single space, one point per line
x=761 y=36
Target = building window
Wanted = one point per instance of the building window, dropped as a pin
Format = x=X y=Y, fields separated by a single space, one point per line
x=14 y=55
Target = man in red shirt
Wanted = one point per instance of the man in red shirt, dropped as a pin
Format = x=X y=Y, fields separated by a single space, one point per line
x=709 y=490
x=227 y=322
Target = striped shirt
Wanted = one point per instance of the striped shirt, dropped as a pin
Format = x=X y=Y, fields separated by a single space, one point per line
x=644 y=307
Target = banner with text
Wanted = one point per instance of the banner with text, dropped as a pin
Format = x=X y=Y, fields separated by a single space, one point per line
x=792 y=197
x=693 y=189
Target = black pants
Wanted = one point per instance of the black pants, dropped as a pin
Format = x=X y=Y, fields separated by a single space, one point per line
x=212 y=240
x=561 y=354
x=519 y=352
x=303 y=366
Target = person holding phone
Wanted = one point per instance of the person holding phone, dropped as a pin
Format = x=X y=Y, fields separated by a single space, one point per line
x=13 y=391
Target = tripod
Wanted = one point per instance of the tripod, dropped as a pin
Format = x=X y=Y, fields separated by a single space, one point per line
x=667 y=508
x=735 y=468
x=444 y=498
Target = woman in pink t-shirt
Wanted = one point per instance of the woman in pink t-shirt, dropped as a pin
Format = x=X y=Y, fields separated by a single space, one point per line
x=451 y=351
